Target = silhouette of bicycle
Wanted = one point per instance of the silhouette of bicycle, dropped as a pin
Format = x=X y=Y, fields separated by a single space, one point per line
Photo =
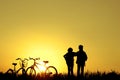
x=21 y=70
x=43 y=68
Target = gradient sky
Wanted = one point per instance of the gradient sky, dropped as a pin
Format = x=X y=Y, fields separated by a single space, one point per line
x=47 y=28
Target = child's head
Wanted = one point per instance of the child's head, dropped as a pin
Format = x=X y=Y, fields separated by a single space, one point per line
x=80 y=46
x=70 y=49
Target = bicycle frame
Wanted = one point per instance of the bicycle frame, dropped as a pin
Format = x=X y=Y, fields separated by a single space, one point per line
x=14 y=71
x=31 y=71
x=35 y=64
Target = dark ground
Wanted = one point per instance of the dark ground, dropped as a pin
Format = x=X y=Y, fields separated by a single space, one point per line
x=88 y=76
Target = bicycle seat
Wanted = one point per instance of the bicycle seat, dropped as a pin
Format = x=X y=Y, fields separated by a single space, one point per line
x=14 y=64
x=45 y=61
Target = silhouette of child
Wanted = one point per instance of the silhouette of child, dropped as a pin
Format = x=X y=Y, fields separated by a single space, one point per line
x=69 y=57
x=81 y=58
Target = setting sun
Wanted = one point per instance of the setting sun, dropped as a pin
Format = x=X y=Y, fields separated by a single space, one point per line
x=42 y=66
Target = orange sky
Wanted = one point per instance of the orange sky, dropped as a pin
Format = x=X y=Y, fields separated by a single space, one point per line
x=47 y=28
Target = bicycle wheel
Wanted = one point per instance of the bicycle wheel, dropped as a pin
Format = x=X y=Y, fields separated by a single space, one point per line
x=51 y=71
x=21 y=71
x=10 y=71
x=30 y=72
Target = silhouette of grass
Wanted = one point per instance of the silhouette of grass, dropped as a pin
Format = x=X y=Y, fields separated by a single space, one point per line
x=88 y=76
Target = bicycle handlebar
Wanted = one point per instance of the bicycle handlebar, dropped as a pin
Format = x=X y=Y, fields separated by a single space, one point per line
x=25 y=59
x=34 y=58
x=18 y=59
x=21 y=59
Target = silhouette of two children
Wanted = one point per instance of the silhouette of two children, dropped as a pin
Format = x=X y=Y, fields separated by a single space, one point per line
x=81 y=58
